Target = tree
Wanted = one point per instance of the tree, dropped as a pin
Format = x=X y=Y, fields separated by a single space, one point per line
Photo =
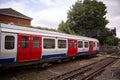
x=75 y=17
x=64 y=28
x=111 y=40
x=96 y=12
x=87 y=16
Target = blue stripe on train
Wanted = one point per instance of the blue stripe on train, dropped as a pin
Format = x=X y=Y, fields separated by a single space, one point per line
x=8 y=60
x=60 y=55
x=53 y=56
x=96 y=51
x=80 y=53
x=85 y=52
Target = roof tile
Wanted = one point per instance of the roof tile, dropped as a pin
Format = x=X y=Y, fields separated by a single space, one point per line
x=14 y=13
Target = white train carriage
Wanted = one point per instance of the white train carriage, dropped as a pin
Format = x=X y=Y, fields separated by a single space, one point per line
x=22 y=44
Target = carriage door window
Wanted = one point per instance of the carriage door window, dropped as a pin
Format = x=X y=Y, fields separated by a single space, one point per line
x=35 y=42
x=24 y=42
x=70 y=43
x=9 y=42
x=94 y=45
x=75 y=44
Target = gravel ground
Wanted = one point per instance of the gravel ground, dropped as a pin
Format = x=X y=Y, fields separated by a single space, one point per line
x=51 y=71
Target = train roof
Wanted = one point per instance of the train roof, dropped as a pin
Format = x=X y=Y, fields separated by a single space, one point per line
x=26 y=30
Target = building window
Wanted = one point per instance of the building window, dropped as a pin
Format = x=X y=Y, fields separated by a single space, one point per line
x=49 y=43
x=24 y=42
x=61 y=43
x=9 y=42
x=86 y=44
x=36 y=42
x=80 y=44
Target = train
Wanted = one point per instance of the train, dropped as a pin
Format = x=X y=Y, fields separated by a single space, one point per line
x=21 y=45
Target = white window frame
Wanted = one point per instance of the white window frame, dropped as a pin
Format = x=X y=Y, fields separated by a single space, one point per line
x=82 y=44
x=66 y=43
x=43 y=43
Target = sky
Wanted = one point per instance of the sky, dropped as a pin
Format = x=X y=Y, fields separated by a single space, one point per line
x=49 y=13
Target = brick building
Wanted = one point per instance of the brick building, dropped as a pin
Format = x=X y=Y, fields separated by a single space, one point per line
x=8 y=15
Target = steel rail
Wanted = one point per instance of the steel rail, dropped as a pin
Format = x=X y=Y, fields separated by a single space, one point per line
x=85 y=72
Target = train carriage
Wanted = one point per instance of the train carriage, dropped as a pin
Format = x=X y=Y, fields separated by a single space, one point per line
x=22 y=44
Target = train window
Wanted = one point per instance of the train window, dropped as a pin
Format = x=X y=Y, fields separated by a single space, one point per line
x=35 y=42
x=75 y=44
x=24 y=42
x=94 y=44
x=86 y=44
x=61 y=43
x=49 y=43
x=9 y=42
x=70 y=43
x=80 y=44
x=97 y=44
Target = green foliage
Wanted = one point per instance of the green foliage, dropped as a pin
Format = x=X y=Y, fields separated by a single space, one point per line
x=64 y=28
x=75 y=17
x=111 y=40
x=87 y=16
x=45 y=28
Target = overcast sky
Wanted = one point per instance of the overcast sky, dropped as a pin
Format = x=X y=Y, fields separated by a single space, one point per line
x=49 y=13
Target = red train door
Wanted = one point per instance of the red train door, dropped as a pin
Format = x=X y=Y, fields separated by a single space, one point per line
x=36 y=47
x=72 y=47
x=29 y=47
x=90 y=46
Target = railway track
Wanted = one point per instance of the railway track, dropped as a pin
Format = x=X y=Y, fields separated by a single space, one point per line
x=87 y=72
x=41 y=66
x=51 y=76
